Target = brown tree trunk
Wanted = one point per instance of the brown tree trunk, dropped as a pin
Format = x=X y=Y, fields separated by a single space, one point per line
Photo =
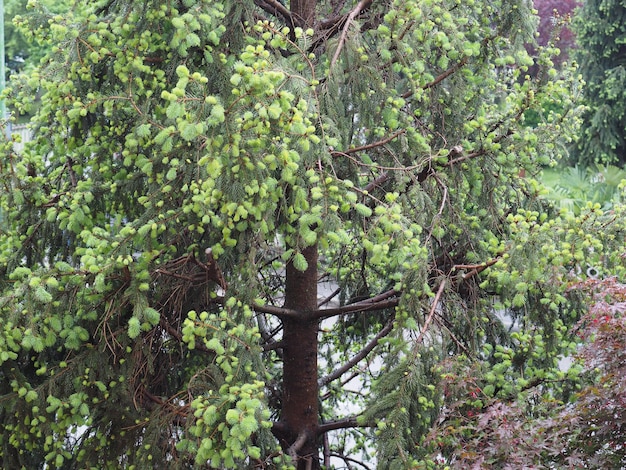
x=299 y=420
x=300 y=410
x=303 y=12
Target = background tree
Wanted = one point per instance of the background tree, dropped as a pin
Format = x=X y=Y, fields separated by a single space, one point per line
x=600 y=31
x=21 y=47
x=199 y=167
x=554 y=26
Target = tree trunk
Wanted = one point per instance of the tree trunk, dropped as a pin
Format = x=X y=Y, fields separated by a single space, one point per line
x=300 y=410
x=303 y=12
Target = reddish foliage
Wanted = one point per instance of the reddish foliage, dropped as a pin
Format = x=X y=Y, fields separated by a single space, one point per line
x=539 y=427
x=554 y=18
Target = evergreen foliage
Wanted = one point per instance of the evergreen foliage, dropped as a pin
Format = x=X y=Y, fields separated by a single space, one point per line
x=199 y=166
x=600 y=29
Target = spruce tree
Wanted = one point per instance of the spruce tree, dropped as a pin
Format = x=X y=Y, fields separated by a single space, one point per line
x=200 y=167
x=600 y=28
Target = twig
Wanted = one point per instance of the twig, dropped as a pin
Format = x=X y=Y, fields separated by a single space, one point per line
x=387 y=299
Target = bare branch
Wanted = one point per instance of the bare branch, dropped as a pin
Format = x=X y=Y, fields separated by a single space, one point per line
x=362 y=354
x=376 y=182
x=378 y=143
x=363 y=4
x=475 y=269
x=432 y=311
x=385 y=300
x=344 y=423
x=349 y=460
x=329 y=298
x=275 y=8
x=462 y=158
x=276 y=311
x=297 y=445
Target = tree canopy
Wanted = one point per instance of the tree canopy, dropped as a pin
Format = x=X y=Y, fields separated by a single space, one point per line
x=199 y=168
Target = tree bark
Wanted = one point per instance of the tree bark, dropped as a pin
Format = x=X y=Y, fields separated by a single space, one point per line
x=303 y=12
x=300 y=410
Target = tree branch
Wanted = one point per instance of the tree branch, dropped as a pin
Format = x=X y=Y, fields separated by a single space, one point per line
x=344 y=423
x=376 y=182
x=432 y=311
x=378 y=143
x=441 y=77
x=475 y=269
x=363 y=4
x=385 y=300
x=297 y=445
x=275 y=8
x=359 y=356
x=446 y=74
x=276 y=311
x=347 y=460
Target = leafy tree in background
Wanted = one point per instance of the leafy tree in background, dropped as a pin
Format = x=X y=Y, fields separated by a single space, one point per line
x=200 y=167
x=554 y=26
x=600 y=28
x=21 y=47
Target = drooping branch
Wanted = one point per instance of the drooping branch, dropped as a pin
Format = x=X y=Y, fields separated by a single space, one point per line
x=439 y=78
x=369 y=187
x=362 y=354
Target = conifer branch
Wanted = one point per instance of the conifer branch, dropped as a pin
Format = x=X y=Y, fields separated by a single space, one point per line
x=441 y=77
x=376 y=182
x=347 y=460
x=359 y=356
x=475 y=269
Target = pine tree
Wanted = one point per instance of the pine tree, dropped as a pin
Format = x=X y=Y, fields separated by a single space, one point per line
x=199 y=167
x=600 y=29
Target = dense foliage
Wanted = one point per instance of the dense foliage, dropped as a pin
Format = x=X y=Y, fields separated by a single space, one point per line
x=600 y=28
x=199 y=167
